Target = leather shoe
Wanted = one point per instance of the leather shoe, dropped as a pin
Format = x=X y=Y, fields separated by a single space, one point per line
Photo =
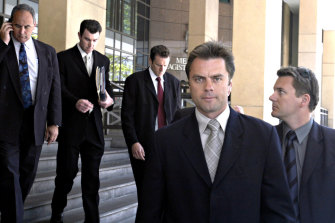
x=56 y=218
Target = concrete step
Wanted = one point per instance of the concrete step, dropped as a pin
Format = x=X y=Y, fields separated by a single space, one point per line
x=118 y=201
x=112 y=211
x=39 y=204
x=47 y=160
x=44 y=181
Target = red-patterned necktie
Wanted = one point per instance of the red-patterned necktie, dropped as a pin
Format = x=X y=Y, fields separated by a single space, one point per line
x=160 y=96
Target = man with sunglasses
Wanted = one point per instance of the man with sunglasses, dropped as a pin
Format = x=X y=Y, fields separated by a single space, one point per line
x=308 y=148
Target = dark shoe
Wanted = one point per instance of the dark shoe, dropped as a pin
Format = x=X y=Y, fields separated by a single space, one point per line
x=56 y=218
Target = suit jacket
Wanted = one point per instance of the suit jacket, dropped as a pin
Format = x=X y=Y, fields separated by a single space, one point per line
x=317 y=188
x=140 y=107
x=77 y=84
x=249 y=186
x=182 y=113
x=48 y=93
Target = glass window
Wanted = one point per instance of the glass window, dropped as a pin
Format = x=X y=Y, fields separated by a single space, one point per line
x=109 y=41
x=110 y=55
x=127 y=65
x=140 y=33
x=127 y=44
x=139 y=59
x=127 y=18
x=145 y=61
x=9 y=5
x=117 y=65
x=146 y=37
x=147 y=12
x=140 y=8
x=117 y=41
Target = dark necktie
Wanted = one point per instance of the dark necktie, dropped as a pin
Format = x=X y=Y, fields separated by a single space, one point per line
x=291 y=169
x=24 y=78
x=160 y=97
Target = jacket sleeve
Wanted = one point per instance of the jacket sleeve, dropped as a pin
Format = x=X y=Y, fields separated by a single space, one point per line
x=54 y=116
x=128 y=110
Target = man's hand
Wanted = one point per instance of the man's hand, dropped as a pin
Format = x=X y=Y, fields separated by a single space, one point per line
x=138 y=151
x=108 y=102
x=51 y=133
x=84 y=105
x=4 y=31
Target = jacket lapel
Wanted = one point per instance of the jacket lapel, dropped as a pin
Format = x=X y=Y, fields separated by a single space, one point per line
x=13 y=69
x=231 y=146
x=194 y=151
x=77 y=58
x=149 y=84
x=314 y=150
x=42 y=75
x=167 y=96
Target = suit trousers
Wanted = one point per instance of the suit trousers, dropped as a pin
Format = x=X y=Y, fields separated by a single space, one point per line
x=67 y=168
x=138 y=167
x=18 y=166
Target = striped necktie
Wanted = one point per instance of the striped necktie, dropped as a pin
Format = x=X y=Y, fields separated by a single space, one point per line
x=291 y=169
x=213 y=147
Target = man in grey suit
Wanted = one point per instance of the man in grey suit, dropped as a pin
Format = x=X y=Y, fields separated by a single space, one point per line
x=310 y=154
x=30 y=100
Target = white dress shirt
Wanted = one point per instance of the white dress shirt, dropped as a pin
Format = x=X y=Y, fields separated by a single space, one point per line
x=32 y=60
x=89 y=59
x=203 y=122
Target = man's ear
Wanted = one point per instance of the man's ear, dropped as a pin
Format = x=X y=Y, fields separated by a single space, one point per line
x=230 y=85
x=306 y=98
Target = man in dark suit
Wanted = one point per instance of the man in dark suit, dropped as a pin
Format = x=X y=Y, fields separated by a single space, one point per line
x=143 y=113
x=82 y=130
x=311 y=169
x=30 y=99
x=215 y=165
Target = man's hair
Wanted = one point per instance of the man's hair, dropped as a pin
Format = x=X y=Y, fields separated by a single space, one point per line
x=91 y=25
x=22 y=7
x=304 y=82
x=212 y=50
x=159 y=50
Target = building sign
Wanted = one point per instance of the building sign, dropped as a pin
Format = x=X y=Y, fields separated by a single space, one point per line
x=179 y=64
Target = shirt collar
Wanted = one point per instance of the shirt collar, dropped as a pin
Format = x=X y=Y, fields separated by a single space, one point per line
x=301 y=132
x=28 y=44
x=83 y=53
x=154 y=76
x=203 y=120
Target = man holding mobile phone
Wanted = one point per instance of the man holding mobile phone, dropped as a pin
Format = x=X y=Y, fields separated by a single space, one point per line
x=30 y=108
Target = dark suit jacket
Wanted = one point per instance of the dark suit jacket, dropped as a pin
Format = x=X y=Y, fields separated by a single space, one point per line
x=77 y=84
x=140 y=106
x=317 y=188
x=250 y=185
x=182 y=113
x=48 y=96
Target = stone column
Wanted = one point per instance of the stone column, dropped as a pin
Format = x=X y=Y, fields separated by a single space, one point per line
x=203 y=22
x=328 y=75
x=257 y=51
x=310 y=41
x=59 y=21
